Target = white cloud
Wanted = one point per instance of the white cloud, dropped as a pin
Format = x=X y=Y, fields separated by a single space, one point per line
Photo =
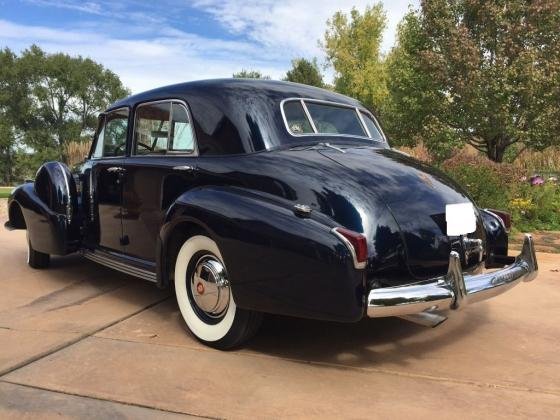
x=146 y=64
x=147 y=53
x=293 y=25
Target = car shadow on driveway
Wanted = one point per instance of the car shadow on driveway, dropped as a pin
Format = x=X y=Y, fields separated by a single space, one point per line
x=368 y=343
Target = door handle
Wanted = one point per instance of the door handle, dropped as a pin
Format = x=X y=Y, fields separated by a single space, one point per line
x=117 y=169
x=185 y=168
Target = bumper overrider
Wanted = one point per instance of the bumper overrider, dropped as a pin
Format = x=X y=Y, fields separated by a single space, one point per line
x=420 y=302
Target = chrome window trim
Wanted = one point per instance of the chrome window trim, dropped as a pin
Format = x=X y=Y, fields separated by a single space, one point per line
x=94 y=144
x=195 y=151
x=308 y=115
x=375 y=122
x=364 y=126
x=332 y=103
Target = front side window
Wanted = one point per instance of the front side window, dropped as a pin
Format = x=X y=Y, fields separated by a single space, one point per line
x=162 y=127
x=111 y=138
x=308 y=116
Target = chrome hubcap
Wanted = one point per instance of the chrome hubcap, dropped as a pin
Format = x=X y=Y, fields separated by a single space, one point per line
x=210 y=286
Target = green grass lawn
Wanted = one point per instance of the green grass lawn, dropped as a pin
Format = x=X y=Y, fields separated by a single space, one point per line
x=5 y=191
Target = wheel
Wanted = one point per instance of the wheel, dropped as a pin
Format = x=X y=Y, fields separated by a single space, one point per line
x=205 y=298
x=36 y=259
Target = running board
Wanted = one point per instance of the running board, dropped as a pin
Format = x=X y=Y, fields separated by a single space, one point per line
x=103 y=258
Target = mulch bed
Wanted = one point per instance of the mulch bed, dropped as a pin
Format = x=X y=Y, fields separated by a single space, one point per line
x=545 y=241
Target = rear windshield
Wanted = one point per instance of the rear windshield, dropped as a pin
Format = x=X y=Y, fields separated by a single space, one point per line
x=308 y=117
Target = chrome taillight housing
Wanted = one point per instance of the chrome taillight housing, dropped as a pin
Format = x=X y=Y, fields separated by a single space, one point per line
x=356 y=244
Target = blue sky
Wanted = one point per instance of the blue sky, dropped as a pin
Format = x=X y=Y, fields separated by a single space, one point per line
x=153 y=43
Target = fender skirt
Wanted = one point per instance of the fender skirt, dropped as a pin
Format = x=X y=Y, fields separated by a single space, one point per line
x=276 y=261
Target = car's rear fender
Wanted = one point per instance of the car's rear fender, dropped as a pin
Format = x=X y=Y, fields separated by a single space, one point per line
x=277 y=261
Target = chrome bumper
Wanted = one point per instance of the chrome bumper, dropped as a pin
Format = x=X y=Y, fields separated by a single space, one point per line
x=454 y=290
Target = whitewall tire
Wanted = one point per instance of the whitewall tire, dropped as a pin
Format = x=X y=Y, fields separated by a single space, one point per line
x=205 y=297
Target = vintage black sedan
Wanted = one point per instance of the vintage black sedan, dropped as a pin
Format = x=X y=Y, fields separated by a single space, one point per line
x=251 y=197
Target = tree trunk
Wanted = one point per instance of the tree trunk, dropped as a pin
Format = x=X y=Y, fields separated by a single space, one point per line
x=495 y=149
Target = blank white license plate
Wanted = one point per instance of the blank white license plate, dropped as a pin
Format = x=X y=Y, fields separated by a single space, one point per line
x=460 y=219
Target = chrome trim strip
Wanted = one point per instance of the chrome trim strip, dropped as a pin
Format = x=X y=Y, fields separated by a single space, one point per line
x=357 y=265
x=454 y=290
x=102 y=259
x=69 y=202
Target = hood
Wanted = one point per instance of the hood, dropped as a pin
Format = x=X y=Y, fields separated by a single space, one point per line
x=415 y=195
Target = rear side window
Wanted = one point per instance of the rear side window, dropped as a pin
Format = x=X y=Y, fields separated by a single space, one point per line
x=111 y=137
x=163 y=127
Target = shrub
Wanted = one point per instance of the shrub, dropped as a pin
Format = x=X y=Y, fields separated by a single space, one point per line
x=535 y=207
x=486 y=181
x=506 y=186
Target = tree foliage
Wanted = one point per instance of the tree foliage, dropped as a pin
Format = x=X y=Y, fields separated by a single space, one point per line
x=249 y=74
x=353 y=48
x=47 y=100
x=484 y=72
x=305 y=72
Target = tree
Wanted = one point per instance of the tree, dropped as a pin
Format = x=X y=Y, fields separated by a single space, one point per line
x=250 y=74
x=352 y=45
x=484 y=72
x=47 y=100
x=68 y=93
x=14 y=108
x=306 y=72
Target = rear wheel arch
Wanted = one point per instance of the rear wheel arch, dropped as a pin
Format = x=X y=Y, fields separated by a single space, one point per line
x=172 y=238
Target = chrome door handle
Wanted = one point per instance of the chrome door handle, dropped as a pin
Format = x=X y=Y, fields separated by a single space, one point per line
x=186 y=168
x=117 y=169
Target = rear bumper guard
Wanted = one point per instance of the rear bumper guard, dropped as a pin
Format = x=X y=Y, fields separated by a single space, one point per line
x=453 y=290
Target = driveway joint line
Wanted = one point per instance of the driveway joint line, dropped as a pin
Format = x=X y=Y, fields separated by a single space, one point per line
x=75 y=340
x=91 y=397
x=363 y=370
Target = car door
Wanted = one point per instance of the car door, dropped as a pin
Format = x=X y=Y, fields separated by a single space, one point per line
x=106 y=179
x=161 y=166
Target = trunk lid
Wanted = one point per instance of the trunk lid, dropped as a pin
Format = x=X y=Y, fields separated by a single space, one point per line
x=416 y=195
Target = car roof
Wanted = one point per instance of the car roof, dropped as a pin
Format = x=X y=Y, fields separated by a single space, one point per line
x=219 y=87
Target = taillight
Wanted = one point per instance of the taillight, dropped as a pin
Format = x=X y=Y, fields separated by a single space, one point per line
x=505 y=217
x=356 y=243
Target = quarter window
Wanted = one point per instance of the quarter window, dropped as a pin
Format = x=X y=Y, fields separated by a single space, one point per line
x=374 y=131
x=182 y=138
x=161 y=128
x=296 y=118
x=111 y=138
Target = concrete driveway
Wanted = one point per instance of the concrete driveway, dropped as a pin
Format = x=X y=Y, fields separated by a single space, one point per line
x=79 y=340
